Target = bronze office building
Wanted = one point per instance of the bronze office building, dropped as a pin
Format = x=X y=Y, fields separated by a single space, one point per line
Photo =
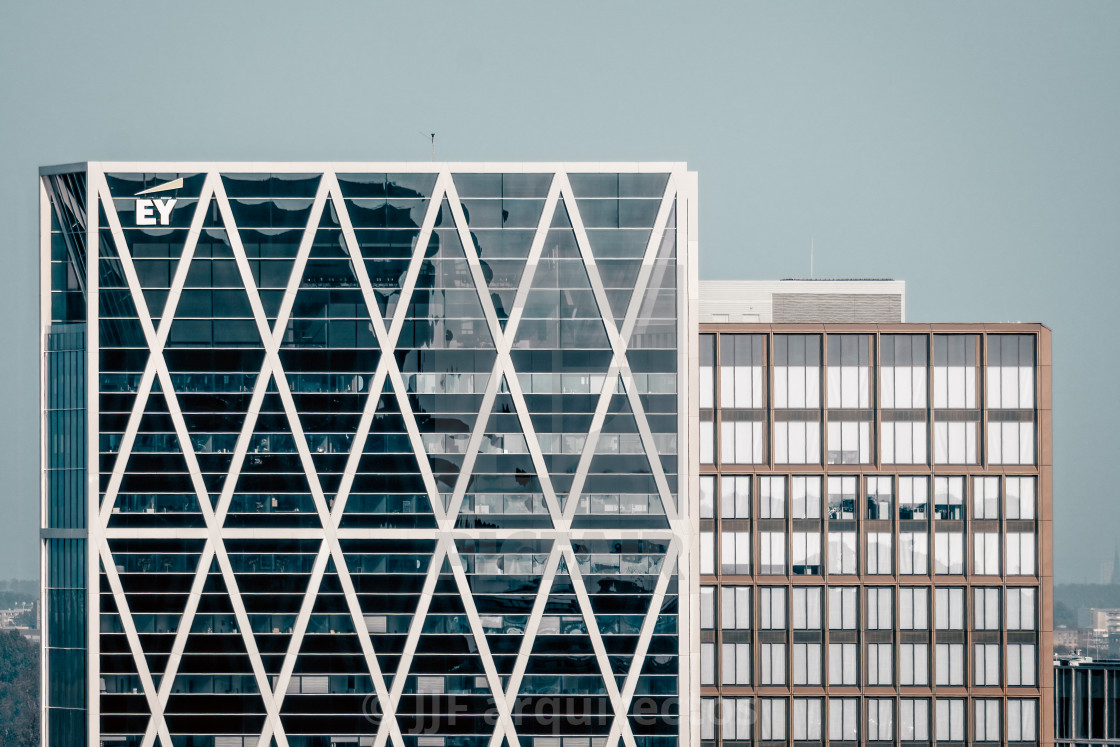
x=875 y=524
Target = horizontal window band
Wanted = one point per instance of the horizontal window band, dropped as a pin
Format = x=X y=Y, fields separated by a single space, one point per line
x=771 y=636
x=851 y=416
x=797 y=416
x=808 y=636
x=957 y=416
x=1022 y=636
x=1011 y=416
x=902 y=416
x=743 y=415
x=914 y=636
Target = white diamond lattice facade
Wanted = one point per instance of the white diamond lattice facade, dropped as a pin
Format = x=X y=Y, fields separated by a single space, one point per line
x=368 y=454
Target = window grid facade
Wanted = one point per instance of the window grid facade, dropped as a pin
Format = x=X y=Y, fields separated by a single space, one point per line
x=914 y=521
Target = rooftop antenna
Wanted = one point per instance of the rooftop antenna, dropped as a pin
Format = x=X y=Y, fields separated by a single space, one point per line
x=812 y=249
x=431 y=135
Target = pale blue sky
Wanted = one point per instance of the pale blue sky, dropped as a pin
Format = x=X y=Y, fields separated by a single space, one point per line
x=969 y=148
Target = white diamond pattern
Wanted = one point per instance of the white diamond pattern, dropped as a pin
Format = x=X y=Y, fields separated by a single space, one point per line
x=330 y=517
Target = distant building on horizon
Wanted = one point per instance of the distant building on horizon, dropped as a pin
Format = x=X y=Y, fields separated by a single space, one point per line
x=1105 y=621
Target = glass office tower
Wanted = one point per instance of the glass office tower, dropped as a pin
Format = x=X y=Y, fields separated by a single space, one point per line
x=1086 y=701
x=368 y=454
x=875 y=534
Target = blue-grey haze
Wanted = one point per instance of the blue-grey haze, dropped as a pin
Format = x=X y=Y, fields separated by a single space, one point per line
x=972 y=149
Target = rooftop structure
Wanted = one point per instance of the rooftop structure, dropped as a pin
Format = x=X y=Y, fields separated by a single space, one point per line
x=797 y=301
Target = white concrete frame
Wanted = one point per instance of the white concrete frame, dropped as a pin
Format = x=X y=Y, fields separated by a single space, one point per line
x=680 y=194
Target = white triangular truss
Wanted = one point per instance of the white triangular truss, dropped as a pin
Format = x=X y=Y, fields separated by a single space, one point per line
x=445 y=533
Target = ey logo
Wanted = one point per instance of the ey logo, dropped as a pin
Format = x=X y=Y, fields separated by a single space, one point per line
x=156 y=211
